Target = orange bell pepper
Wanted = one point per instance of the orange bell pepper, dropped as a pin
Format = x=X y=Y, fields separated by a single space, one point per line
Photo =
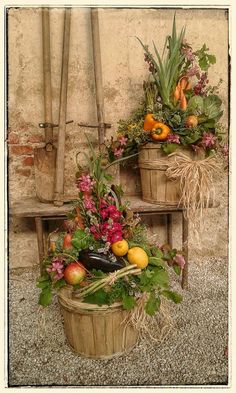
x=160 y=131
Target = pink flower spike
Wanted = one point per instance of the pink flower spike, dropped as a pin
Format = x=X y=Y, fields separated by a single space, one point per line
x=89 y=204
x=85 y=183
x=208 y=139
x=118 y=152
x=173 y=138
x=122 y=140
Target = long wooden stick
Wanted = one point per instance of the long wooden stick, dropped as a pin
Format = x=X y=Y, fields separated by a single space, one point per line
x=98 y=75
x=59 y=181
x=47 y=78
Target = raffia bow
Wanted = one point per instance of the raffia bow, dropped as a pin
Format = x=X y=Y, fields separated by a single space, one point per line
x=196 y=179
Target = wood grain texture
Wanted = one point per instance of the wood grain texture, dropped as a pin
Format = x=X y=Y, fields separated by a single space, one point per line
x=93 y=331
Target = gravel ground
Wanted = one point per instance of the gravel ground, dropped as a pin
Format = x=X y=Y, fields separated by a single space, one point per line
x=194 y=353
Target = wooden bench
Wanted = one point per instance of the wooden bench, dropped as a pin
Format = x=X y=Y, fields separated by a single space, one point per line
x=41 y=212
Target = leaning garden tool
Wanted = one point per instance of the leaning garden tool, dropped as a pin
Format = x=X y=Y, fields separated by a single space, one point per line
x=98 y=76
x=59 y=179
x=45 y=158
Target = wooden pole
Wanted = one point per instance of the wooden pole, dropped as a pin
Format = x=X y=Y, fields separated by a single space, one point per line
x=98 y=75
x=59 y=181
x=47 y=78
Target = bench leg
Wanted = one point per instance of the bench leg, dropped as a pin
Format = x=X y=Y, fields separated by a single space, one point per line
x=169 y=229
x=39 y=231
x=184 y=282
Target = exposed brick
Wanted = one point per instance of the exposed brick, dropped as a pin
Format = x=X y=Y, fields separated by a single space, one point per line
x=35 y=139
x=23 y=172
x=28 y=161
x=13 y=138
x=21 y=150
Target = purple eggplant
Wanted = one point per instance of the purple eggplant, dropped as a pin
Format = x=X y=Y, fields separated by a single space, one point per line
x=94 y=260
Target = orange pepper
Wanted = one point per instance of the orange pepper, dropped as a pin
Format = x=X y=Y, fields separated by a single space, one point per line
x=160 y=132
x=149 y=122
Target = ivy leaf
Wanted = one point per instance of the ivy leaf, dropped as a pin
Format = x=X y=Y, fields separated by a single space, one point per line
x=60 y=283
x=99 y=297
x=174 y=296
x=177 y=269
x=128 y=302
x=153 y=304
x=45 y=297
x=156 y=262
x=43 y=284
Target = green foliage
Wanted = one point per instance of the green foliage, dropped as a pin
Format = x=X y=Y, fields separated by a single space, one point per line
x=167 y=72
x=177 y=269
x=128 y=302
x=155 y=261
x=175 y=297
x=45 y=297
x=153 y=304
x=82 y=240
x=99 y=297
x=169 y=148
x=205 y=59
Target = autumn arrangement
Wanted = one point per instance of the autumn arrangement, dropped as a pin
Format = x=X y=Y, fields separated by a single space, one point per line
x=103 y=251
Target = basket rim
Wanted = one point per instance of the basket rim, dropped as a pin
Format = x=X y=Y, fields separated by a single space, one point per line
x=66 y=300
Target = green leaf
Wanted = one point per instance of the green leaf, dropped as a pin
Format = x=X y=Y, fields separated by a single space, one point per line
x=156 y=262
x=177 y=269
x=153 y=304
x=60 y=283
x=169 y=148
x=43 y=284
x=99 y=297
x=174 y=296
x=195 y=105
x=156 y=252
x=160 y=277
x=128 y=302
x=45 y=297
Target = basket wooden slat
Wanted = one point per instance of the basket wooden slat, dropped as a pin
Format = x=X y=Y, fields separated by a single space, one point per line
x=94 y=331
x=156 y=187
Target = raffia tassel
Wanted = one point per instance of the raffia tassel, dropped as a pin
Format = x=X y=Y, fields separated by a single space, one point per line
x=197 y=190
x=155 y=328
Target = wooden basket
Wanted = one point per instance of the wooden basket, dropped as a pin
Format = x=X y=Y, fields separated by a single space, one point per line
x=156 y=187
x=94 y=331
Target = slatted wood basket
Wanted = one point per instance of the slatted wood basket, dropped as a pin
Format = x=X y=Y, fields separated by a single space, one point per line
x=156 y=187
x=98 y=332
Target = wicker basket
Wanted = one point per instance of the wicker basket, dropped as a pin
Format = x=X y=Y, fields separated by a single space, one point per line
x=93 y=331
x=156 y=187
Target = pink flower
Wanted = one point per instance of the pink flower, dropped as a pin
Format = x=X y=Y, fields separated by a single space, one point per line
x=187 y=52
x=179 y=259
x=208 y=139
x=56 y=267
x=194 y=70
x=89 y=204
x=173 y=138
x=95 y=232
x=103 y=203
x=85 y=183
x=118 y=152
x=122 y=140
x=195 y=148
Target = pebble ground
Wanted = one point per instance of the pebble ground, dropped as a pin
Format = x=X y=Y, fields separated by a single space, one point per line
x=194 y=353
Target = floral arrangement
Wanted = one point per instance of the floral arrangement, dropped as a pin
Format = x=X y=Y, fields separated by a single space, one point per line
x=103 y=251
x=180 y=107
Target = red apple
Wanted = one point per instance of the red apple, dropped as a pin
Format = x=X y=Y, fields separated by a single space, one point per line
x=74 y=273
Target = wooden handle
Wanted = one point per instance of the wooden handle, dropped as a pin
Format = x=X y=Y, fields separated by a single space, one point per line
x=98 y=75
x=59 y=181
x=47 y=78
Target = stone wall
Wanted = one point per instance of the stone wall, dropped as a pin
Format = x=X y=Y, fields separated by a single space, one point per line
x=123 y=73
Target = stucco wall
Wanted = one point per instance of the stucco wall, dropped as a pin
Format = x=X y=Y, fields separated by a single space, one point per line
x=123 y=73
